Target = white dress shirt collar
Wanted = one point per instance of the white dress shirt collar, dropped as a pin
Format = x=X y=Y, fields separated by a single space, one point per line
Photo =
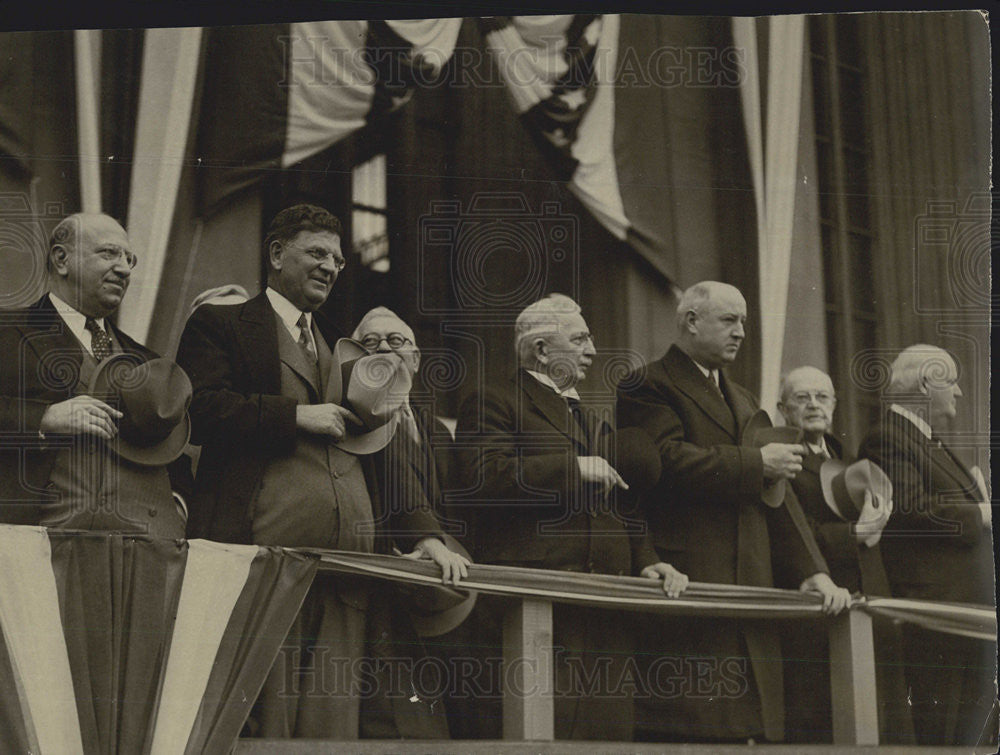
x=712 y=375
x=288 y=312
x=820 y=448
x=920 y=422
x=545 y=380
x=76 y=321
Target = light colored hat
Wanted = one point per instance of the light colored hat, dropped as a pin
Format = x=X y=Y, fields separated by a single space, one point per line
x=373 y=386
x=844 y=488
x=153 y=397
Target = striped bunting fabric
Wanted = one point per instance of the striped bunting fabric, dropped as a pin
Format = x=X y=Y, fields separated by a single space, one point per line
x=637 y=593
x=304 y=87
x=126 y=644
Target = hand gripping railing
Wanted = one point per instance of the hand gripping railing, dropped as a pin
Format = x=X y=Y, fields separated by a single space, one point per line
x=528 y=627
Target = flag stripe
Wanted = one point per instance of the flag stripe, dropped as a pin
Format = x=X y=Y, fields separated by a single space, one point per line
x=214 y=577
x=29 y=614
x=595 y=181
x=260 y=620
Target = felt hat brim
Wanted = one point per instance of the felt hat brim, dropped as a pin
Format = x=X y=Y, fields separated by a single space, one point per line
x=163 y=452
x=438 y=609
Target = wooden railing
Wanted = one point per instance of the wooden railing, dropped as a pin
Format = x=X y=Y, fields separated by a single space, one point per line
x=528 y=707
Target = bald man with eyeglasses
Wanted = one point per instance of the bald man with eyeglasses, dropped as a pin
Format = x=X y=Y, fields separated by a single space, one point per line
x=58 y=466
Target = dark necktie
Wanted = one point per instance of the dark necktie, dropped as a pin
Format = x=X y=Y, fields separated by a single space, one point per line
x=100 y=342
x=580 y=416
x=305 y=339
x=716 y=388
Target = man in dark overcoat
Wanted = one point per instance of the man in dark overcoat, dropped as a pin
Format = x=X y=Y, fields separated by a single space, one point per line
x=707 y=518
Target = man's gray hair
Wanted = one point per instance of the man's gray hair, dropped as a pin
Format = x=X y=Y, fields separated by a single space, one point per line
x=405 y=329
x=918 y=363
x=540 y=319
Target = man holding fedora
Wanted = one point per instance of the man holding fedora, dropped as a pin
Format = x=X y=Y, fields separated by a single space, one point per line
x=710 y=516
x=847 y=508
x=290 y=419
x=91 y=418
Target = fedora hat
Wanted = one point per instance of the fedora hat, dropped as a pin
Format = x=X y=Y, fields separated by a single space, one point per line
x=153 y=397
x=758 y=432
x=373 y=386
x=438 y=609
x=844 y=487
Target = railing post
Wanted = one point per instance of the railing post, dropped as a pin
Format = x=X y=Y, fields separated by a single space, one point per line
x=852 y=679
x=528 y=711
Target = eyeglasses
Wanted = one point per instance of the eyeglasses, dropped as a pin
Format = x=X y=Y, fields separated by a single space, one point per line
x=395 y=341
x=821 y=397
x=114 y=253
x=322 y=255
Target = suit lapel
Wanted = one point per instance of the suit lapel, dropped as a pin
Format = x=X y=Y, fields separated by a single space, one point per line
x=942 y=460
x=688 y=379
x=54 y=345
x=291 y=355
x=553 y=407
x=257 y=337
x=952 y=466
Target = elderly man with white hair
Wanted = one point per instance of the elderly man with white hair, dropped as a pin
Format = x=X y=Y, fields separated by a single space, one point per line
x=808 y=402
x=936 y=546
x=382 y=330
x=545 y=474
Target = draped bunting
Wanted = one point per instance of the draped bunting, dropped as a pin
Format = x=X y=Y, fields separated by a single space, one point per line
x=125 y=644
x=773 y=143
x=309 y=84
x=562 y=89
x=637 y=593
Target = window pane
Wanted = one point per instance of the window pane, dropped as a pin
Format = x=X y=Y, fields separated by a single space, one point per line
x=368 y=183
x=369 y=237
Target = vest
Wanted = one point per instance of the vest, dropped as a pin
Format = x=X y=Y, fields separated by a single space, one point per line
x=316 y=496
x=93 y=488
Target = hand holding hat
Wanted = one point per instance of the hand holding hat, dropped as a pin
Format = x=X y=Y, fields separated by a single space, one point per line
x=153 y=398
x=874 y=515
x=861 y=494
x=436 y=610
x=369 y=390
x=781 y=454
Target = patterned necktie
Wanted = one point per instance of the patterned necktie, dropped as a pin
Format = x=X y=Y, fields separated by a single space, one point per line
x=305 y=339
x=100 y=342
x=410 y=422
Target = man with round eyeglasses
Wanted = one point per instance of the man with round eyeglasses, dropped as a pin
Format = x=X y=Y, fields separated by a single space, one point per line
x=851 y=549
x=381 y=329
x=63 y=469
